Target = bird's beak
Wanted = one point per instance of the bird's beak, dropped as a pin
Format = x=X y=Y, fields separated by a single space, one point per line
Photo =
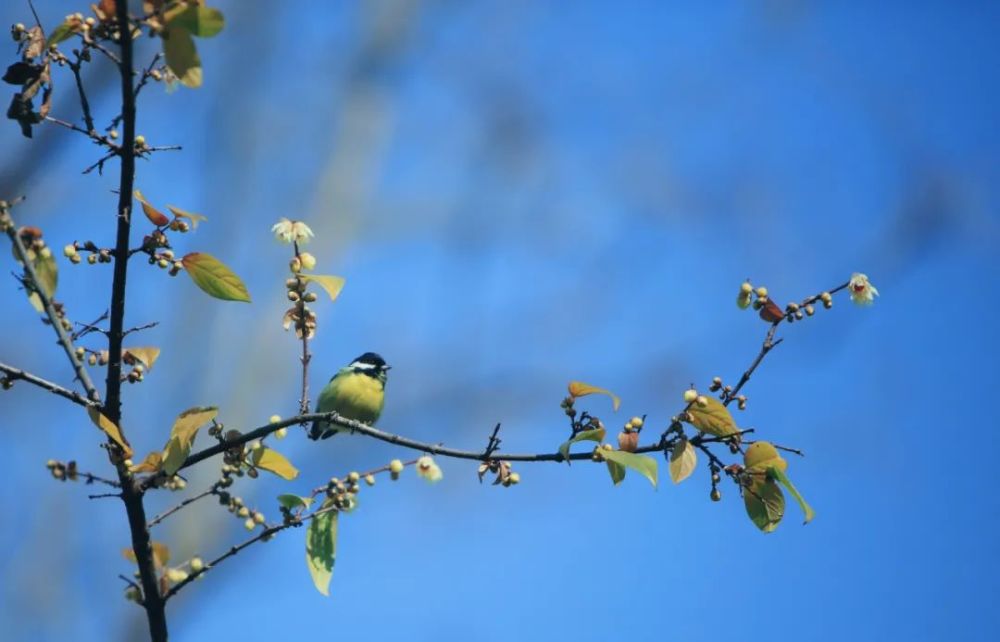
x=387 y=367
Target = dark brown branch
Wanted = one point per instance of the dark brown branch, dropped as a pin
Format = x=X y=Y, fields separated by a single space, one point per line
x=132 y=494
x=305 y=358
x=16 y=374
x=32 y=281
x=75 y=67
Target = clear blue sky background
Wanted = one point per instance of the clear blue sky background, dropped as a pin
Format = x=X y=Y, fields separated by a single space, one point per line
x=520 y=194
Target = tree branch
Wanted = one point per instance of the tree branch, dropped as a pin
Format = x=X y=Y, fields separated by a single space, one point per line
x=32 y=281
x=132 y=494
x=15 y=374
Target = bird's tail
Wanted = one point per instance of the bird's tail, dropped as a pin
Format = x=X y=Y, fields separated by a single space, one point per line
x=321 y=430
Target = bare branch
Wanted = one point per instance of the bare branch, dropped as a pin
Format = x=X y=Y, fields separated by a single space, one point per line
x=16 y=374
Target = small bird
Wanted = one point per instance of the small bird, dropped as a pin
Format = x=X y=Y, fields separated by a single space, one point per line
x=356 y=392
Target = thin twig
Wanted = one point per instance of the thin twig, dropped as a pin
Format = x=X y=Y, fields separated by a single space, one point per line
x=75 y=67
x=104 y=495
x=31 y=277
x=18 y=374
x=140 y=328
x=190 y=500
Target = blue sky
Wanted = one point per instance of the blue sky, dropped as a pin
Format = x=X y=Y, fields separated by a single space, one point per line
x=520 y=194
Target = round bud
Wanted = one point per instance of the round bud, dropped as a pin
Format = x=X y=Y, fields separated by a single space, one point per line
x=155 y=74
x=132 y=594
x=295 y=265
x=308 y=260
x=243 y=512
x=395 y=466
x=281 y=433
x=75 y=259
x=353 y=477
x=309 y=297
x=716 y=478
x=702 y=401
x=827 y=304
x=176 y=575
x=825 y=296
x=810 y=310
x=163 y=264
x=690 y=396
x=746 y=288
x=89 y=21
x=293 y=295
x=514 y=478
x=113 y=134
x=370 y=480
x=92 y=359
x=92 y=259
x=256 y=445
x=196 y=564
x=715 y=495
x=69 y=250
x=140 y=141
x=636 y=422
x=258 y=517
x=249 y=524
x=761 y=292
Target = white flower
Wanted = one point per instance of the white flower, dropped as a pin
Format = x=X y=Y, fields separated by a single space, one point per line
x=288 y=231
x=862 y=292
x=428 y=469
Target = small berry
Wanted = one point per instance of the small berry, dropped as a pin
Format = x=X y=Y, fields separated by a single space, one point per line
x=69 y=251
x=258 y=517
x=715 y=495
x=281 y=433
x=140 y=141
x=243 y=512
x=395 y=466
x=762 y=292
x=197 y=564
x=514 y=478
x=746 y=288
x=353 y=477
x=249 y=524
x=274 y=419
x=690 y=396
x=636 y=422
x=370 y=480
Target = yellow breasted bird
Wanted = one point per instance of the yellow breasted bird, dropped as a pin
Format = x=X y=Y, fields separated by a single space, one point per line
x=356 y=392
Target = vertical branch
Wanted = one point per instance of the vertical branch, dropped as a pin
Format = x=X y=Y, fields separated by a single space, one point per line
x=132 y=495
x=306 y=357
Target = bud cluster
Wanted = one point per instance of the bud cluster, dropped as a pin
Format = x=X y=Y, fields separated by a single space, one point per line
x=505 y=476
x=300 y=315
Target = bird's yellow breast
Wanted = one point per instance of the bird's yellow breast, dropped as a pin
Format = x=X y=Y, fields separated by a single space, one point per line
x=358 y=396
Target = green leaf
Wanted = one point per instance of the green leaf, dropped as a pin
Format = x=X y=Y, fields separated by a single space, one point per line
x=60 y=33
x=765 y=504
x=617 y=472
x=581 y=389
x=778 y=474
x=594 y=434
x=275 y=462
x=48 y=278
x=683 y=459
x=182 y=57
x=110 y=429
x=203 y=22
x=214 y=278
x=292 y=502
x=647 y=466
x=332 y=284
x=182 y=436
x=321 y=549
x=713 y=418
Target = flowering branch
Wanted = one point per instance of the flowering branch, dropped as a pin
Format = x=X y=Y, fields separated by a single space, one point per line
x=15 y=374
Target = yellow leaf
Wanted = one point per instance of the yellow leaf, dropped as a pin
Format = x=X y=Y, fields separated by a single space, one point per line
x=110 y=429
x=713 y=418
x=191 y=216
x=155 y=216
x=332 y=284
x=580 y=389
x=683 y=460
x=275 y=462
x=145 y=355
x=161 y=554
x=182 y=436
x=761 y=455
x=150 y=464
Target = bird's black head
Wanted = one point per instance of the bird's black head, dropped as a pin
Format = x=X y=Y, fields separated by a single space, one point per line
x=372 y=365
x=371 y=359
